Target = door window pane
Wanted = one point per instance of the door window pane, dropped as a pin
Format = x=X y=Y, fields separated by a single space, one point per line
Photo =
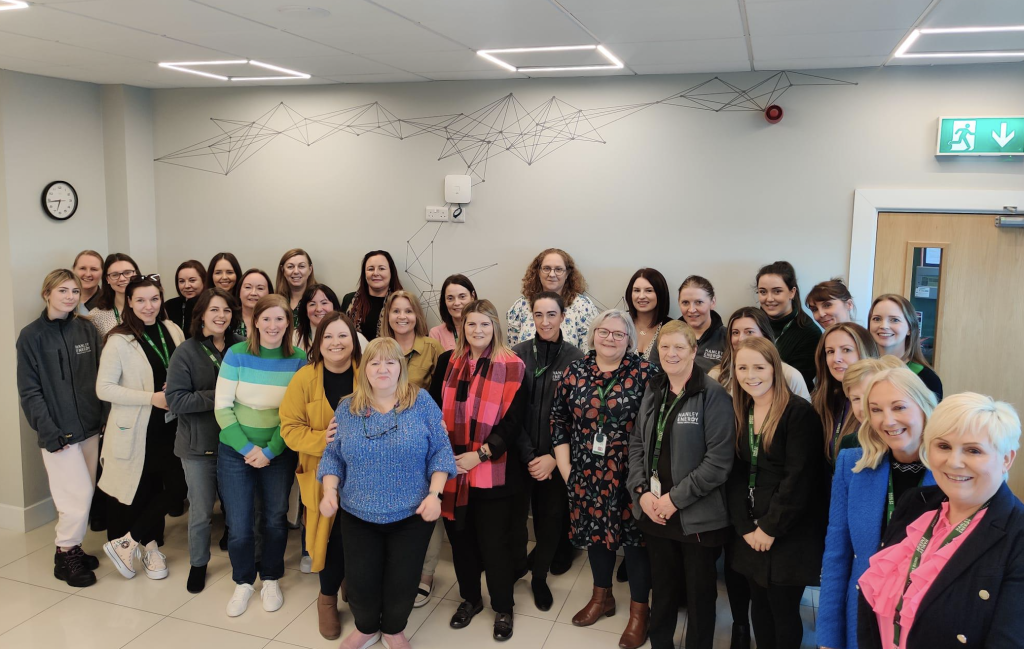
x=925 y=296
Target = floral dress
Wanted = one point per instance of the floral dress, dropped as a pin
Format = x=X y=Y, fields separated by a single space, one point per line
x=600 y=507
x=578 y=317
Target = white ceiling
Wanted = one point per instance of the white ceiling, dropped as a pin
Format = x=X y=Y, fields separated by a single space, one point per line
x=376 y=41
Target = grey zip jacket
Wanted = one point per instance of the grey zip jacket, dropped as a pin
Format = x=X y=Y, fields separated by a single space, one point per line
x=57 y=364
x=703 y=432
x=191 y=384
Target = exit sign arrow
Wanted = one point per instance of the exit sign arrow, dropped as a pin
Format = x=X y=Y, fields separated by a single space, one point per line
x=1003 y=139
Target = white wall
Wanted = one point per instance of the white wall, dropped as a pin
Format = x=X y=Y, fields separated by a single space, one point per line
x=681 y=190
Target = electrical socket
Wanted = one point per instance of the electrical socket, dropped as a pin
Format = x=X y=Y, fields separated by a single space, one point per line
x=438 y=214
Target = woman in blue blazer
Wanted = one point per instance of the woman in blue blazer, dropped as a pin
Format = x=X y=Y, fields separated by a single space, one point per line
x=895 y=408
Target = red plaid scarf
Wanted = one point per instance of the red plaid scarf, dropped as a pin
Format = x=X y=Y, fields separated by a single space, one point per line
x=473 y=402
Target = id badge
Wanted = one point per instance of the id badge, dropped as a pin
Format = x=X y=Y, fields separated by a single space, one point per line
x=600 y=446
x=169 y=417
x=656 y=486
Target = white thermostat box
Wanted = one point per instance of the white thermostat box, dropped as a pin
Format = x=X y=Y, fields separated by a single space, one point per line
x=457 y=189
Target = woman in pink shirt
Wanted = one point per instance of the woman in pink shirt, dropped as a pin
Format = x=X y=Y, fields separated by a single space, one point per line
x=951 y=569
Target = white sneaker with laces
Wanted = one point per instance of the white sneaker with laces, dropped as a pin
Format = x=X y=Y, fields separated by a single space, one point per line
x=122 y=553
x=154 y=561
x=240 y=599
x=271 y=595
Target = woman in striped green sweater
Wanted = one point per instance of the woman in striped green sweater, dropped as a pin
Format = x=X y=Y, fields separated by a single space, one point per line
x=252 y=381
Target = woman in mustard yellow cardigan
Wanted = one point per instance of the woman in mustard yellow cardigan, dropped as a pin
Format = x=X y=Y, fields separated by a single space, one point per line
x=307 y=424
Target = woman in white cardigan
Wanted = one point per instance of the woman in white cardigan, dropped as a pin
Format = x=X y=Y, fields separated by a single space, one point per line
x=141 y=474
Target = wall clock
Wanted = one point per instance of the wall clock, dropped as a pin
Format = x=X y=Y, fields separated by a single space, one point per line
x=60 y=200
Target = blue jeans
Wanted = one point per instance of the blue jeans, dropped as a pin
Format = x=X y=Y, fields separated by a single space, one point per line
x=239 y=484
x=201 y=477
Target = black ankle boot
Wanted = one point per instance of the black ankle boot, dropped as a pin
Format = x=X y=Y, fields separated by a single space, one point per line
x=70 y=567
x=542 y=597
x=196 y=579
x=740 y=637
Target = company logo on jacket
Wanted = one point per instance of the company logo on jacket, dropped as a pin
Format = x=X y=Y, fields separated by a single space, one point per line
x=713 y=354
x=688 y=417
x=556 y=376
x=83 y=348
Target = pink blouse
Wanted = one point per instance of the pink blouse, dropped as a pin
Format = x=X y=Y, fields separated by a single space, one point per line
x=882 y=583
x=441 y=334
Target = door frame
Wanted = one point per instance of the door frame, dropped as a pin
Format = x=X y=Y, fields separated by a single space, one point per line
x=867 y=203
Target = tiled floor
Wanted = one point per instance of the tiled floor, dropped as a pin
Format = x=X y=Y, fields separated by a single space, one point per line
x=37 y=611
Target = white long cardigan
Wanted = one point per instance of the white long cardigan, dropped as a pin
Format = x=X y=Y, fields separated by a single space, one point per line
x=125 y=379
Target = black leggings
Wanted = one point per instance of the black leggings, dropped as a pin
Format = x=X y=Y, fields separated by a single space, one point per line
x=334 y=564
x=776 y=614
x=638 y=564
x=162 y=483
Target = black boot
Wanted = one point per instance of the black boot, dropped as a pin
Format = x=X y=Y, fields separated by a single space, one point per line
x=69 y=567
x=542 y=597
x=224 y=541
x=740 y=637
x=196 y=579
x=91 y=562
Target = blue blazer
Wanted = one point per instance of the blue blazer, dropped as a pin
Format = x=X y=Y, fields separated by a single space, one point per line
x=854 y=532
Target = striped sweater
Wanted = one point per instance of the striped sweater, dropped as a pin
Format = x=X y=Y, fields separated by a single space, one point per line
x=249 y=391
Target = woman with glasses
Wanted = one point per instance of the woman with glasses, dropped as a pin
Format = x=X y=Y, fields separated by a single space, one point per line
x=593 y=414
x=384 y=475
x=118 y=269
x=141 y=474
x=553 y=270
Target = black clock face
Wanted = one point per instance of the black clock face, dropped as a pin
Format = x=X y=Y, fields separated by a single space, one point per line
x=60 y=200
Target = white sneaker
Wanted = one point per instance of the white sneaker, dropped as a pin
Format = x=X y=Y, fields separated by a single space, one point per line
x=306 y=564
x=423 y=592
x=122 y=553
x=240 y=599
x=271 y=595
x=154 y=561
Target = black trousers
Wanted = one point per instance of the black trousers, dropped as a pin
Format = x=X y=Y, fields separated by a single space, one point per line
x=162 y=484
x=384 y=562
x=487 y=542
x=775 y=612
x=738 y=590
x=549 y=502
x=334 y=563
x=698 y=587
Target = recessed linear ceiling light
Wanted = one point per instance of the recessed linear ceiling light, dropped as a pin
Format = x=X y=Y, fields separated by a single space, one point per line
x=902 y=53
x=186 y=66
x=12 y=4
x=614 y=63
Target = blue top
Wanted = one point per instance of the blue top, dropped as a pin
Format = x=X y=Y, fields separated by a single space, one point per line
x=854 y=532
x=384 y=471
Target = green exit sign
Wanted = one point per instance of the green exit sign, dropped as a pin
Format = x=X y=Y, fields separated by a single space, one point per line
x=988 y=136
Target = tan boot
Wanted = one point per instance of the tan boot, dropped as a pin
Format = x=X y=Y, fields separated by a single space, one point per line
x=635 y=634
x=327 y=611
x=601 y=603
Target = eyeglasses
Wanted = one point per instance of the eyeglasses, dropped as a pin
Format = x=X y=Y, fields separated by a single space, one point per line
x=155 y=277
x=127 y=274
x=617 y=336
x=378 y=435
x=551 y=270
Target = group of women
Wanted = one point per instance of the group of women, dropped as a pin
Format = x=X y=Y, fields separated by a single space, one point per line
x=674 y=441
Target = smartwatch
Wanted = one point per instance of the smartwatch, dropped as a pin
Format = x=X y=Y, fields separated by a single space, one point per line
x=439 y=494
x=483 y=456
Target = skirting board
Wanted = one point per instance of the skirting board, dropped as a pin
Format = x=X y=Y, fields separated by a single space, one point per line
x=24 y=519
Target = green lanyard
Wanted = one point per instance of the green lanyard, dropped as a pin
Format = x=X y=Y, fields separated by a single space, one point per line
x=755 y=448
x=539 y=371
x=213 y=358
x=839 y=429
x=602 y=395
x=117 y=315
x=663 y=417
x=915 y=560
x=165 y=357
x=784 y=330
x=242 y=331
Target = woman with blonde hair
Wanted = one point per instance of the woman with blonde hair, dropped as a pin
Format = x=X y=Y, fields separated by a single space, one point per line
x=553 y=270
x=88 y=267
x=59 y=399
x=842 y=345
x=384 y=475
x=776 y=494
x=294 y=274
x=405 y=321
x=478 y=387
x=893 y=325
x=951 y=564
x=868 y=482
x=252 y=456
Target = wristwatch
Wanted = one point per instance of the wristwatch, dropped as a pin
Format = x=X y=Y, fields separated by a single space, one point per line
x=439 y=494
x=482 y=455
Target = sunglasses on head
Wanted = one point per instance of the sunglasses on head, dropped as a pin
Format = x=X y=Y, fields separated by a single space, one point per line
x=134 y=279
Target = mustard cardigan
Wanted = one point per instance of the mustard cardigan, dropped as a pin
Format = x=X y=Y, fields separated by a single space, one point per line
x=305 y=415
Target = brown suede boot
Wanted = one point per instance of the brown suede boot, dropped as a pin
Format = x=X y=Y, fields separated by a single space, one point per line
x=601 y=603
x=635 y=634
x=327 y=611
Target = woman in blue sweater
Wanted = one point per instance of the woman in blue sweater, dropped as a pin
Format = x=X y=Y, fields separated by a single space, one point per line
x=386 y=469
x=868 y=483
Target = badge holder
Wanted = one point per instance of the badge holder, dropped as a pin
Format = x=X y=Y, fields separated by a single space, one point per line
x=655 y=486
x=600 y=446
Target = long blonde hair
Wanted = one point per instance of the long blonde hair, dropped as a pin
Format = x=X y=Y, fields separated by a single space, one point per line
x=742 y=402
x=421 y=320
x=498 y=347
x=910 y=385
x=386 y=349
x=57 y=277
x=269 y=302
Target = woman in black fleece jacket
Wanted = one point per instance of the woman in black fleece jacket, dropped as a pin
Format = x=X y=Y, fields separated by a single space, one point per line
x=796 y=335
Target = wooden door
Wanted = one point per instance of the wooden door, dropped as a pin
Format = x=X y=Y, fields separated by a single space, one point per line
x=979 y=313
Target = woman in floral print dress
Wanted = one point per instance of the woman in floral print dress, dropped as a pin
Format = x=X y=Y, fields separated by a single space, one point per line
x=553 y=270
x=596 y=403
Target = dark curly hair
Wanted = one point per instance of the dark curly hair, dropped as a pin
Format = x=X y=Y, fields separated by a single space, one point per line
x=574 y=282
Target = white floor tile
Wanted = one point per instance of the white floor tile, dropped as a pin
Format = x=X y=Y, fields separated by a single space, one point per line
x=580 y=594
x=15 y=545
x=304 y=630
x=176 y=634
x=19 y=602
x=208 y=607
x=529 y=632
x=564 y=635
x=37 y=569
x=79 y=623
